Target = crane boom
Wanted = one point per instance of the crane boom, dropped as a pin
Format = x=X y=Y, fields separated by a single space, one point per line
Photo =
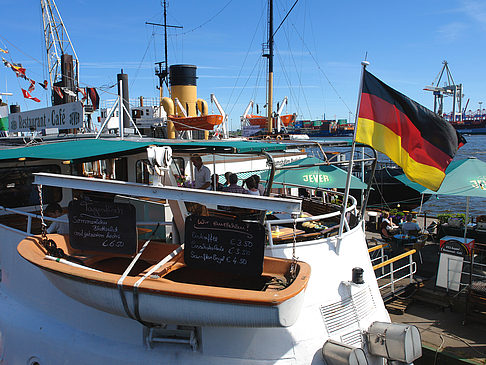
x=60 y=51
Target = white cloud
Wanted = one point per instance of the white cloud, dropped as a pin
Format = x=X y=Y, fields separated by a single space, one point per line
x=476 y=9
x=452 y=31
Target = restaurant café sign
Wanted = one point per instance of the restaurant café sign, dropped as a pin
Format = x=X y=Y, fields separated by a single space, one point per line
x=64 y=116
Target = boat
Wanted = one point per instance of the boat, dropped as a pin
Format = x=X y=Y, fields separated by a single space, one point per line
x=318 y=285
x=206 y=122
x=262 y=122
x=470 y=124
x=180 y=294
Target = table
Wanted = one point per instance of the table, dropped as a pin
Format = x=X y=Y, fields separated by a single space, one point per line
x=405 y=239
x=281 y=234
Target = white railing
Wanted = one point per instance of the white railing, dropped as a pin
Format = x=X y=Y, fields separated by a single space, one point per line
x=392 y=273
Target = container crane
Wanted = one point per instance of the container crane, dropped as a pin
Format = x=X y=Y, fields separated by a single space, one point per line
x=62 y=61
x=449 y=89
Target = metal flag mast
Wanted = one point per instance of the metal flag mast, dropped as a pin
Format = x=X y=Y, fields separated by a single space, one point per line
x=351 y=158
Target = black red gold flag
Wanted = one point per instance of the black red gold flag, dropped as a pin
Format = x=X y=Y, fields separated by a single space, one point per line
x=419 y=141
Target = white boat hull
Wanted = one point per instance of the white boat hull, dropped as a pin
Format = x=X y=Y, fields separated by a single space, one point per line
x=166 y=309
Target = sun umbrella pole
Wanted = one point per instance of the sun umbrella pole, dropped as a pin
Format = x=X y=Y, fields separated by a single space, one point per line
x=467 y=219
x=351 y=158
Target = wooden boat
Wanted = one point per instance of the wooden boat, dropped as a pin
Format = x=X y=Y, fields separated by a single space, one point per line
x=262 y=121
x=175 y=293
x=207 y=122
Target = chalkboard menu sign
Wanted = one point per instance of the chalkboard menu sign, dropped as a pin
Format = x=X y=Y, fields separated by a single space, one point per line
x=102 y=227
x=224 y=245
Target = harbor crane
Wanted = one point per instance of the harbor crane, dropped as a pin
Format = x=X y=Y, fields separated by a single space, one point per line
x=62 y=61
x=449 y=89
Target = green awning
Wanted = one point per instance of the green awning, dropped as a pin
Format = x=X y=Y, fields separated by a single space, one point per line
x=323 y=176
x=465 y=177
x=92 y=149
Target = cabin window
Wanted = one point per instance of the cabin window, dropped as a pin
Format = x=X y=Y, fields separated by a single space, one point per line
x=17 y=188
x=142 y=172
x=111 y=169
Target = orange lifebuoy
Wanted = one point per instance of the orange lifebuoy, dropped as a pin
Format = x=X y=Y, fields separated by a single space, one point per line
x=279 y=137
x=267 y=137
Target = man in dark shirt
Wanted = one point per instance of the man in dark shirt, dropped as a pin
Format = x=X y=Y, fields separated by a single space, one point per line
x=233 y=186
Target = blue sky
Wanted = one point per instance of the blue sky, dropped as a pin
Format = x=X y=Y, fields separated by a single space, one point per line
x=318 y=49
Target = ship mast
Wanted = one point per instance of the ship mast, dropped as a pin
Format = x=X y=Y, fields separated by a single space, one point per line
x=163 y=74
x=269 y=55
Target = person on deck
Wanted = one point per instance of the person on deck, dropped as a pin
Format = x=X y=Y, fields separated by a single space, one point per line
x=260 y=187
x=387 y=228
x=54 y=210
x=409 y=226
x=202 y=175
x=233 y=186
x=252 y=186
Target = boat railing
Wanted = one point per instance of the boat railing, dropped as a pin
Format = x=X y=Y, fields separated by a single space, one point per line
x=30 y=216
x=270 y=223
x=377 y=254
x=396 y=272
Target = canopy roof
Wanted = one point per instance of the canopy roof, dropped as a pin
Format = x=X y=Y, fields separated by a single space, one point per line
x=92 y=149
x=323 y=176
x=465 y=177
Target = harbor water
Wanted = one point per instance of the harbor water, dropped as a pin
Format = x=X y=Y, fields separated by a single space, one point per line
x=475 y=147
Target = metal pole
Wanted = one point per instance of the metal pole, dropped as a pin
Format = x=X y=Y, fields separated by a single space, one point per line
x=353 y=147
x=120 y=110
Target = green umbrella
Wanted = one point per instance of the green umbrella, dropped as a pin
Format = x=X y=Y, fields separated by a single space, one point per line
x=323 y=176
x=463 y=178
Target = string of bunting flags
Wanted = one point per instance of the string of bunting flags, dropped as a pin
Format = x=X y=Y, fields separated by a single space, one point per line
x=88 y=92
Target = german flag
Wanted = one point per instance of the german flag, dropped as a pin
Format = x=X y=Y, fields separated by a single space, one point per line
x=416 y=139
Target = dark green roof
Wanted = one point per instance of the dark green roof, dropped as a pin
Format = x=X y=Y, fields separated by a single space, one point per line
x=92 y=149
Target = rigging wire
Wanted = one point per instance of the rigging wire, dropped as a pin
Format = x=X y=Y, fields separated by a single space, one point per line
x=209 y=20
x=242 y=65
x=321 y=70
x=143 y=58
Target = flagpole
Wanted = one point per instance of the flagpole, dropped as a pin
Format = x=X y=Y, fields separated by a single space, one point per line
x=351 y=158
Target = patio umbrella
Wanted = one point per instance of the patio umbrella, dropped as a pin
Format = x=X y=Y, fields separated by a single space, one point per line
x=465 y=177
x=307 y=174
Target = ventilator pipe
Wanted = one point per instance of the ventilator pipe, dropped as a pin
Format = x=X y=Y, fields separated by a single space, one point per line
x=202 y=106
x=168 y=105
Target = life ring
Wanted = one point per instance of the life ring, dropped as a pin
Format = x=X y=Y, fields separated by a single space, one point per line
x=279 y=137
x=267 y=137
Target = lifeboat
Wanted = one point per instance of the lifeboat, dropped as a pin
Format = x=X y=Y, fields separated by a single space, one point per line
x=207 y=122
x=175 y=293
x=263 y=121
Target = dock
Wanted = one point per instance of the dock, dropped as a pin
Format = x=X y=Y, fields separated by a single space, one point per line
x=449 y=336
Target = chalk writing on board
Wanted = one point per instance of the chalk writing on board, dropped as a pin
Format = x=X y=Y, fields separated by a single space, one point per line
x=102 y=226
x=224 y=245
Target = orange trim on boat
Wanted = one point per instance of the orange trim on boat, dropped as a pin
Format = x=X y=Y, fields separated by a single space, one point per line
x=32 y=250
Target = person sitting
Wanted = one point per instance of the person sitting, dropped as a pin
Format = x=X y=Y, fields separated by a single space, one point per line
x=252 y=186
x=215 y=184
x=233 y=186
x=260 y=187
x=226 y=176
x=54 y=210
x=387 y=227
x=409 y=227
